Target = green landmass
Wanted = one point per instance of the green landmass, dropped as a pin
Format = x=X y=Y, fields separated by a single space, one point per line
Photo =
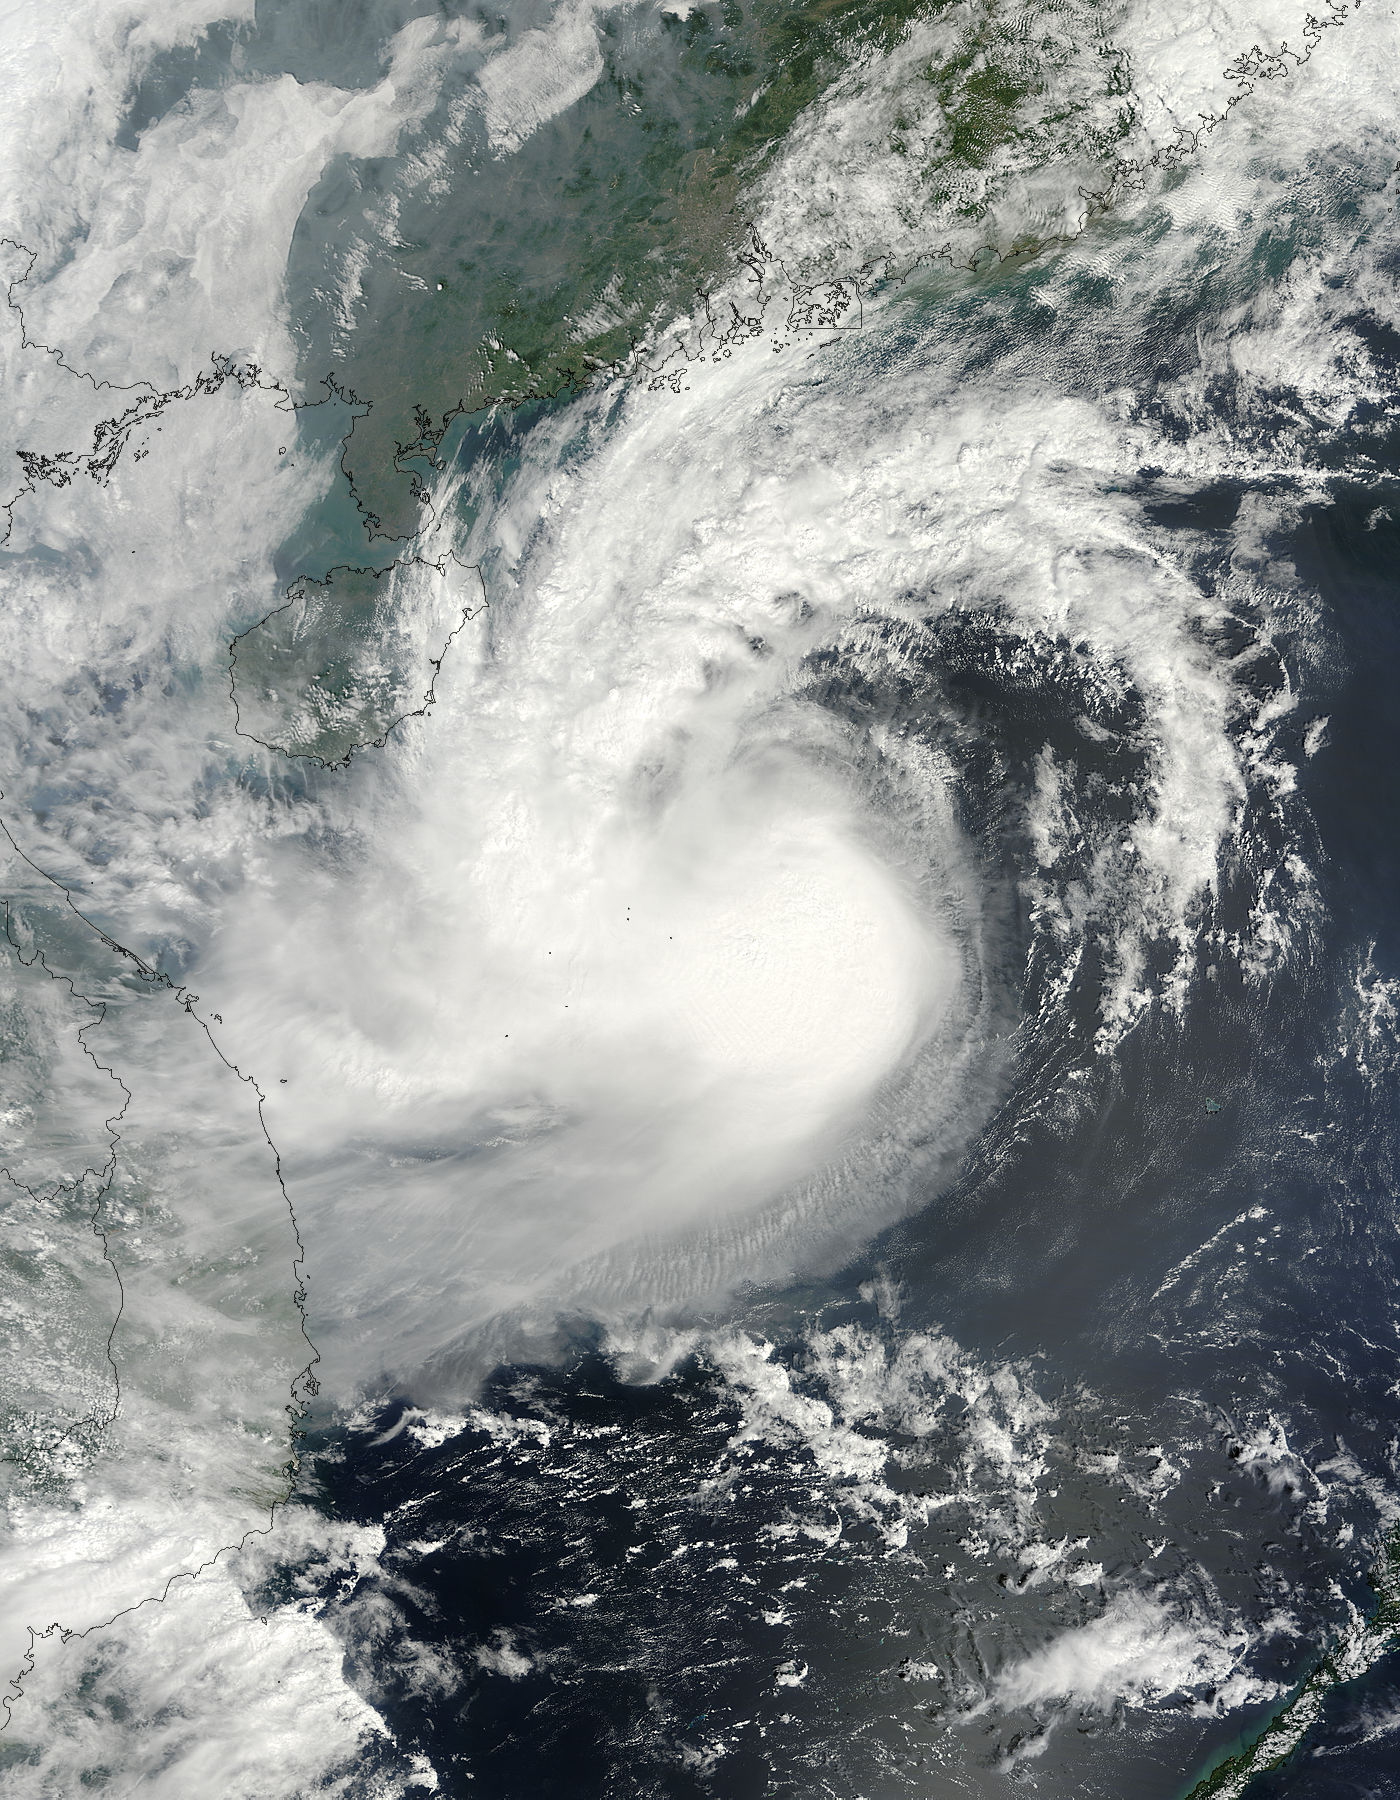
x=517 y=277
x=343 y=661
x=1356 y=1650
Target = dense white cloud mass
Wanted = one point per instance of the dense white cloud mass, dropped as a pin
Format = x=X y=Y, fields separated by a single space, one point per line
x=538 y=77
x=645 y=964
x=154 y=256
x=203 y=1693
x=656 y=963
x=630 y=886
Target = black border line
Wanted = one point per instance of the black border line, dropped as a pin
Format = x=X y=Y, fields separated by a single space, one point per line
x=110 y=438
x=295 y=591
x=103 y=1176
x=827 y=301
x=304 y=1384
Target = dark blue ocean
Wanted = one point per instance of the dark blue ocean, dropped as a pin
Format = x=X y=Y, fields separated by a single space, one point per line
x=1214 y=1245
x=701 y=963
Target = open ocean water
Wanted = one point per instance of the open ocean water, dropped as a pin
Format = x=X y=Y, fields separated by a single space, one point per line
x=1106 y=1405
x=701 y=990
